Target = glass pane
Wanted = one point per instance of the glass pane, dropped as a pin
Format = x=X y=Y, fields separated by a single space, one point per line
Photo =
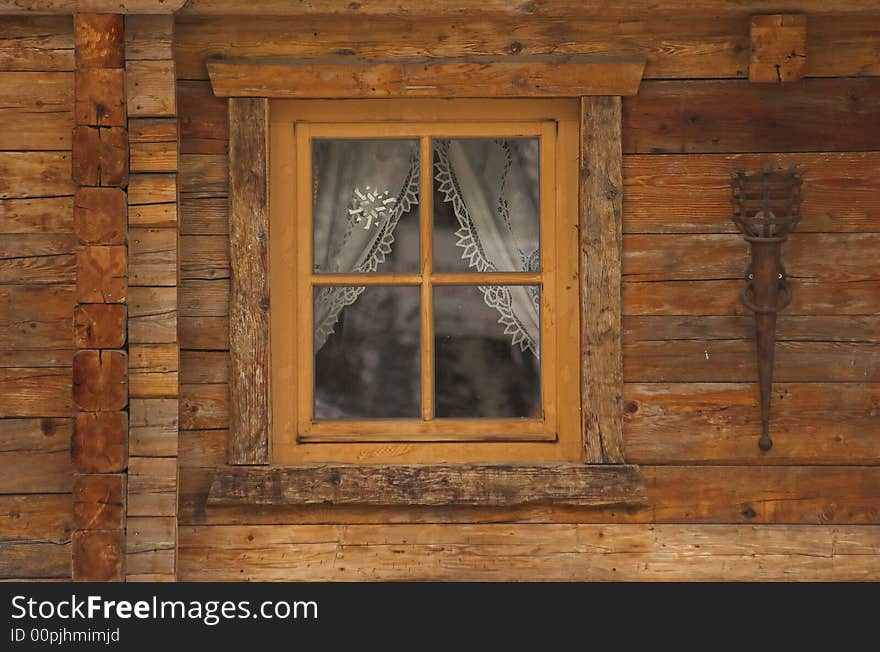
x=367 y=355
x=364 y=206
x=487 y=205
x=486 y=348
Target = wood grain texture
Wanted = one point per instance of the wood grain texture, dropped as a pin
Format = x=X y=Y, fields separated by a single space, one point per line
x=99 y=216
x=100 y=97
x=99 y=501
x=35 y=392
x=249 y=300
x=99 y=36
x=99 y=326
x=99 y=443
x=101 y=274
x=36 y=317
x=529 y=552
x=48 y=215
x=153 y=430
x=570 y=76
x=153 y=144
x=35 y=174
x=152 y=486
x=152 y=257
x=152 y=370
x=97 y=556
x=36 y=43
x=601 y=183
x=97 y=6
x=778 y=51
x=100 y=156
x=36 y=451
x=405 y=485
x=149 y=37
x=152 y=315
x=149 y=88
x=36 y=110
x=677 y=117
x=100 y=380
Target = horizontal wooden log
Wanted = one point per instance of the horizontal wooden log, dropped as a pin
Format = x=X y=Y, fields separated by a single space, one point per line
x=528 y=552
x=36 y=517
x=675 y=117
x=149 y=37
x=48 y=215
x=152 y=370
x=152 y=189
x=100 y=156
x=734 y=361
x=99 y=35
x=204 y=257
x=100 y=97
x=97 y=6
x=718 y=423
x=32 y=392
x=99 y=501
x=35 y=560
x=100 y=216
x=152 y=486
x=150 y=89
x=572 y=484
x=152 y=257
x=721 y=297
x=36 y=317
x=153 y=430
x=524 y=76
x=97 y=556
x=36 y=452
x=99 y=443
x=204 y=333
x=691 y=193
x=153 y=144
x=152 y=315
x=204 y=216
x=26 y=175
x=99 y=326
x=36 y=110
x=101 y=274
x=37 y=43
x=100 y=380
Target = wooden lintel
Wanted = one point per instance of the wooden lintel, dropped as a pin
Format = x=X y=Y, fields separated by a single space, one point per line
x=19 y=7
x=515 y=76
x=488 y=485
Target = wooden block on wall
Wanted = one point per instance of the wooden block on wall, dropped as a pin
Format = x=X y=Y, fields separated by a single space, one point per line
x=152 y=257
x=100 y=156
x=101 y=274
x=100 y=97
x=98 y=444
x=153 y=427
x=97 y=556
x=778 y=48
x=150 y=89
x=100 y=380
x=152 y=486
x=153 y=143
x=99 y=40
x=99 y=325
x=152 y=370
x=99 y=216
x=98 y=502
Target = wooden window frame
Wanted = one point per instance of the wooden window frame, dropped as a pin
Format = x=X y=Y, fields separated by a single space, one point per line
x=603 y=477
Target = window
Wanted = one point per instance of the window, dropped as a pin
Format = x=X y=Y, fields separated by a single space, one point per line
x=424 y=281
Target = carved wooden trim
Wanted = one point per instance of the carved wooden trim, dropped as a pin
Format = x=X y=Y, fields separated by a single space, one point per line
x=488 y=485
x=601 y=206
x=497 y=77
x=249 y=302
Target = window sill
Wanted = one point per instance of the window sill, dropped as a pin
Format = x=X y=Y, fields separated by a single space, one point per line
x=487 y=485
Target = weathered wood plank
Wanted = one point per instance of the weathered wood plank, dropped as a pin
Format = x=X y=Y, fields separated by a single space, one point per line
x=99 y=501
x=522 y=76
x=149 y=37
x=843 y=46
x=153 y=216
x=150 y=545
x=153 y=430
x=152 y=189
x=736 y=116
x=249 y=299
x=204 y=176
x=33 y=392
x=48 y=215
x=37 y=43
x=25 y=175
x=99 y=36
x=36 y=110
x=721 y=297
x=204 y=406
x=97 y=556
x=36 y=317
x=152 y=486
x=204 y=367
x=600 y=271
x=152 y=257
x=717 y=423
x=99 y=442
x=100 y=380
x=404 y=485
x=153 y=144
x=529 y=552
x=204 y=298
x=35 y=258
x=152 y=370
x=204 y=257
x=37 y=453
x=204 y=217
x=149 y=89
x=152 y=315
x=97 y=6
x=204 y=333
x=204 y=120
x=34 y=560
x=36 y=517
x=691 y=193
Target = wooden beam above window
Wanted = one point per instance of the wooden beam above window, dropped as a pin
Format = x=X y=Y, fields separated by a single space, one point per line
x=497 y=77
x=488 y=485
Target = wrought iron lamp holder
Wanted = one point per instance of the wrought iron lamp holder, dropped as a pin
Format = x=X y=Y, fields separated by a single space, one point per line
x=766 y=208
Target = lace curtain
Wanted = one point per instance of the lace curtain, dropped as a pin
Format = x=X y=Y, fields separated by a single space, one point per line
x=491 y=186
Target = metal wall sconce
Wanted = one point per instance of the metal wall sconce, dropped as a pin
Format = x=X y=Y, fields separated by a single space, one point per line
x=766 y=208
